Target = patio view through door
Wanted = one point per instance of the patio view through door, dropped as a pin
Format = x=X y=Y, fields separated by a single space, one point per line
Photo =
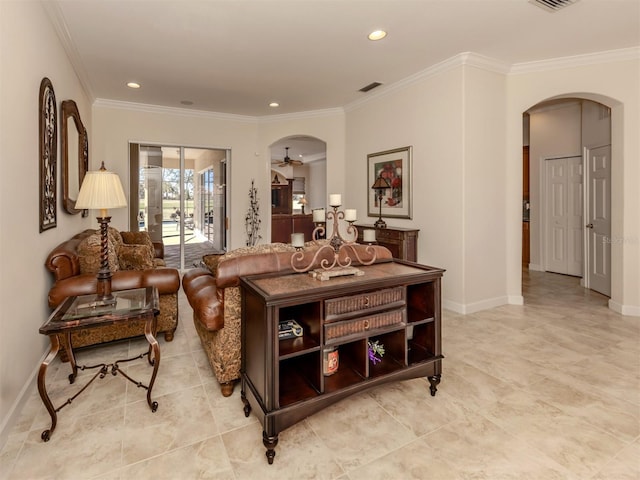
x=178 y=195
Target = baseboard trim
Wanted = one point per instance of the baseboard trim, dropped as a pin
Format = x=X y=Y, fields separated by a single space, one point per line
x=515 y=300
x=468 y=308
x=16 y=409
x=627 y=310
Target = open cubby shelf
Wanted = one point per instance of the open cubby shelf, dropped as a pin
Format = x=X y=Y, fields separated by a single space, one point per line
x=394 y=303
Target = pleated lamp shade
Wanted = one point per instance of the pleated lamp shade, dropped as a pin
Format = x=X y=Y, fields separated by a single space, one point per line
x=101 y=190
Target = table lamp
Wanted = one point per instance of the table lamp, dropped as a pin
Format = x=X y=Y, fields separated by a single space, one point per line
x=303 y=202
x=101 y=190
x=380 y=185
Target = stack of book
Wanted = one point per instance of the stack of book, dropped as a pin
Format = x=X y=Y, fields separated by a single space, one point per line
x=289 y=329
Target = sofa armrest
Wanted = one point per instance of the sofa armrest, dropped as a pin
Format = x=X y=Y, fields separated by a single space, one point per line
x=166 y=280
x=63 y=260
x=205 y=298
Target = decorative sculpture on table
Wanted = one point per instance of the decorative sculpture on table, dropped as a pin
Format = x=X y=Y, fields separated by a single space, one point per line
x=340 y=250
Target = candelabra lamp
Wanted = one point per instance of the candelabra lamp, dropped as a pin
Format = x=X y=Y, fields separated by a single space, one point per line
x=380 y=185
x=102 y=190
x=334 y=258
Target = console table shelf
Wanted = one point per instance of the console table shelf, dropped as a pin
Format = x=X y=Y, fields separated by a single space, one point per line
x=395 y=303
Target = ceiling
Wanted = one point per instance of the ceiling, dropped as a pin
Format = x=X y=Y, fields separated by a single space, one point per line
x=236 y=56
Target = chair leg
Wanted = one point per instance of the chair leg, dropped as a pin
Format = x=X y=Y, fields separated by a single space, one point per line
x=227 y=388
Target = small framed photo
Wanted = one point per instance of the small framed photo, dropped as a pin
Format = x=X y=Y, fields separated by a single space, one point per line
x=393 y=168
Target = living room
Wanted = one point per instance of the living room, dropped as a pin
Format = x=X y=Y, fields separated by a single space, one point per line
x=462 y=117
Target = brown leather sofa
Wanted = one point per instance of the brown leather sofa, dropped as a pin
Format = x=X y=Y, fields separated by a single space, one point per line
x=64 y=263
x=215 y=299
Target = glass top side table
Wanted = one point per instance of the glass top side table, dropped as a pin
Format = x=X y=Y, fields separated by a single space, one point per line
x=84 y=312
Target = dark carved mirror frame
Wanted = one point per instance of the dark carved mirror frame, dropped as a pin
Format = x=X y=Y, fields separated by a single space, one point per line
x=73 y=166
x=48 y=154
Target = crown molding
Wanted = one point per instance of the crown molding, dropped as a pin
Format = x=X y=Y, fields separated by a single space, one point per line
x=60 y=26
x=185 y=112
x=188 y=112
x=461 y=59
x=327 y=112
x=623 y=54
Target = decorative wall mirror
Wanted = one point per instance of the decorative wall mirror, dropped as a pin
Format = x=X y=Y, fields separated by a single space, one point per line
x=75 y=156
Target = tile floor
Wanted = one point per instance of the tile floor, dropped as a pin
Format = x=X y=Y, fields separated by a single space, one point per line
x=548 y=390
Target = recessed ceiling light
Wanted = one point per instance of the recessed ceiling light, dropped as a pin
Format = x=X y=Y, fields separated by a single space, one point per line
x=377 y=35
x=133 y=85
x=186 y=102
x=274 y=104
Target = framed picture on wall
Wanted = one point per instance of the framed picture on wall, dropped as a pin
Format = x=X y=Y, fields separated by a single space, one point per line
x=392 y=169
x=48 y=142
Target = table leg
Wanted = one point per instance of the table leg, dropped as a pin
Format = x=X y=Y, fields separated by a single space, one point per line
x=150 y=328
x=42 y=388
x=72 y=359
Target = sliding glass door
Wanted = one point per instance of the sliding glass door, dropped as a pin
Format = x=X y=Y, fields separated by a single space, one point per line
x=178 y=195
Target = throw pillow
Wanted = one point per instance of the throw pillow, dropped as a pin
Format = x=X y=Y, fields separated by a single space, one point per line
x=135 y=257
x=211 y=261
x=89 y=251
x=114 y=236
x=137 y=238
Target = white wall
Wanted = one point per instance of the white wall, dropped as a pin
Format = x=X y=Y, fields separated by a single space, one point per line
x=613 y=82
x=30 y=50
x=328 y=126
x=118 y=124
x=484 y=189
x=454 y=120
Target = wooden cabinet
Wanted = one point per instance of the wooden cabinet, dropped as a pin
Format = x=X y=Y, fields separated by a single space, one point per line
x=281 y=198
x=395 y=303
x=282 y=226
x=403 y=242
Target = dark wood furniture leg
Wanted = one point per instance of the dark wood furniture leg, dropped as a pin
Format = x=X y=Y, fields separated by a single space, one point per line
x=270 y=441
x=150 y=328
x=42 y=388
x=434 y=380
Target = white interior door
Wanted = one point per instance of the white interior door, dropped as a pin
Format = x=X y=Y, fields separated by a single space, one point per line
x=598 y=224
x=564 y=229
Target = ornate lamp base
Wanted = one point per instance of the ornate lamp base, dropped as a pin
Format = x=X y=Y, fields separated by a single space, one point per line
x=380 y=223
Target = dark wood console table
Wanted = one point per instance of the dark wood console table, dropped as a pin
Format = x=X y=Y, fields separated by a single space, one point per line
x=403 y=242
x=394 y=303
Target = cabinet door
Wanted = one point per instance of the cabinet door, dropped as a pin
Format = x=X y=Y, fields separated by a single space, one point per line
x=281 y=228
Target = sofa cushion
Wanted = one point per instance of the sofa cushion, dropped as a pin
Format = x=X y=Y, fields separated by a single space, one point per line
x=135 y=257
x=89 y=251
x=137 y=238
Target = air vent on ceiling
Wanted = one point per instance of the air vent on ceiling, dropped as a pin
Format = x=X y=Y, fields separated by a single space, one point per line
x=371 y=86
x=552 y=5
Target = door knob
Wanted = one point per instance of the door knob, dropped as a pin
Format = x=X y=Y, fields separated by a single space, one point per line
x=590 y=225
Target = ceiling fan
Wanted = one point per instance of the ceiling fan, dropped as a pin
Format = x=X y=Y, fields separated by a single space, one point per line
x=288 y=161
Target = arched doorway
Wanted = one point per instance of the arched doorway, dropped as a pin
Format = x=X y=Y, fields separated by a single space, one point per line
x=298 y=184
x=567 y=190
